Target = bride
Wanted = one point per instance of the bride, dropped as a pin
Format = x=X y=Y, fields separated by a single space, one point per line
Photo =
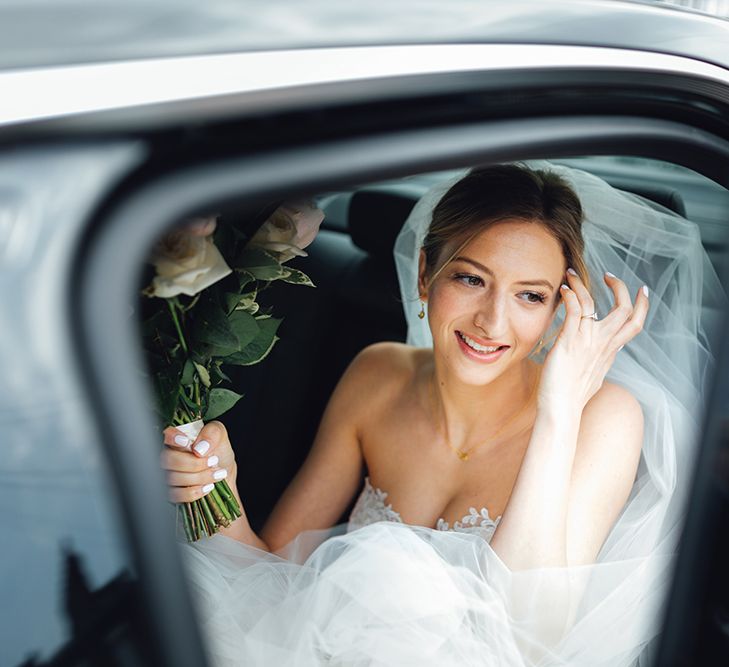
x=518 y=508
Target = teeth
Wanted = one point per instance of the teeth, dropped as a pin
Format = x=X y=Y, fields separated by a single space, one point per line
x=479 y=348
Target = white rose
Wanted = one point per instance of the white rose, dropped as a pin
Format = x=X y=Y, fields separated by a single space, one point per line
x=187 y=261
x=291 y=227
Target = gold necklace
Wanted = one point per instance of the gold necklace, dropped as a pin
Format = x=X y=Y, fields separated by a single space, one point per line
x=459 y=452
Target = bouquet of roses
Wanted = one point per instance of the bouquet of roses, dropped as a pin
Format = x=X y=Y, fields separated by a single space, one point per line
x=211 y=318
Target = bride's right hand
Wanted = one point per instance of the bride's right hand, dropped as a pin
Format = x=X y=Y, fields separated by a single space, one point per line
x=193 y=466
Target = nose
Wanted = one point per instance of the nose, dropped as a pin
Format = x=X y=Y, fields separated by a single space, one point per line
x=490 y=316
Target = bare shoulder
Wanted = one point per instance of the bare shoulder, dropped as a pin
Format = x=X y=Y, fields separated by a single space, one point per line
x=384 y=365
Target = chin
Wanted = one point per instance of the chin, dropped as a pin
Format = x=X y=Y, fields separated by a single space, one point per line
x=476 y=373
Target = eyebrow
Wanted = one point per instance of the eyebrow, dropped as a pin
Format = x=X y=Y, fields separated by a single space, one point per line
x=485 y=269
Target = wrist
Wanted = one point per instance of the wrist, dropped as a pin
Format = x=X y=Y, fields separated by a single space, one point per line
x=558 y=419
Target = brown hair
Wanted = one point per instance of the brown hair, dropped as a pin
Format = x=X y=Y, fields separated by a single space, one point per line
x=487 y=195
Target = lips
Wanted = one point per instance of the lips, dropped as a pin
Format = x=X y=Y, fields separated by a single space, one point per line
x=480 y=355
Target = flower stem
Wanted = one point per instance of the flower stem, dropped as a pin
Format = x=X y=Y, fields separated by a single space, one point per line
x=199 y=519
x=222 y=506
x=173 y=309
x=197 y=393
x=190 y=521
x=186 y=524
x=229 y=498
x=209 y=515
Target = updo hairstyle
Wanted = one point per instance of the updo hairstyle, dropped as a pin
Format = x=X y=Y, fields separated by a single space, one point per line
x=491 y=194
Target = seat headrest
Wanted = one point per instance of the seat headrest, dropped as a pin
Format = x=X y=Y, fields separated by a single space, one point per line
x=660 y=194
x=377 y=214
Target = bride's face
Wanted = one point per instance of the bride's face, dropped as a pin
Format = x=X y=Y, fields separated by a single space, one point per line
x=489 y=306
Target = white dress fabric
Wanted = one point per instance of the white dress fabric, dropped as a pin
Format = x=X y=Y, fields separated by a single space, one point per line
x=371 y=506
x=378 y=592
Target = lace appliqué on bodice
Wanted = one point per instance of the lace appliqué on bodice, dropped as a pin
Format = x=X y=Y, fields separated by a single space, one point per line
x=372 y=506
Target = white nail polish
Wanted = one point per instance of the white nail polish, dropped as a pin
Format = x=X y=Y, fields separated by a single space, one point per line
x=621 y=347
x=572 y=272
x=220 y=474
x=182 y=440
x=645 y=290
x=202 y=447
x=609 y=275
x=208 y=488
x=565 y=287
x=213 y=461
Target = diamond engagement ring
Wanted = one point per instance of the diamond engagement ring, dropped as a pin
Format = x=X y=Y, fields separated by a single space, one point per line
x=592 y=316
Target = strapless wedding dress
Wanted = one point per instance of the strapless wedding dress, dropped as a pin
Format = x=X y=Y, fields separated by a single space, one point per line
x=376 y=592
x=371 y=507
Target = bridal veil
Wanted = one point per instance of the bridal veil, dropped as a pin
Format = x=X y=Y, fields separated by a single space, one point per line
x=666 y=367
x=392 y=594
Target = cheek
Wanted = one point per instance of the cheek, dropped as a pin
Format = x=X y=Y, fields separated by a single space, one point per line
x=530 y=323
x=441 y=298
x=446 y=304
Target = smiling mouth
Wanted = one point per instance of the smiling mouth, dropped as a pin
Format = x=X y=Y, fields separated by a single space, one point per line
x=483 y=349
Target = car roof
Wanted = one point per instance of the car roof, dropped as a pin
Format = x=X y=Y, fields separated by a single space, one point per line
x=61 y=32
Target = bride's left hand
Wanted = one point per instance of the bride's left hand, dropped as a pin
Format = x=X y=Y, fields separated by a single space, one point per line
x=585 y=349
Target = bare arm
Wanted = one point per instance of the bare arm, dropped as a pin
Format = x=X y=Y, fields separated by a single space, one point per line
x=583 y=453
x=580 y=463
x=331 y=473
x=324 y=485
x=574 y=481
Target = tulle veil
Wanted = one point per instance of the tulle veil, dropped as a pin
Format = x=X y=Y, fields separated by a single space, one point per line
x=391 y=594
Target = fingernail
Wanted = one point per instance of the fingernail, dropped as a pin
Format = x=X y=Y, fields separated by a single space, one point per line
x=609 y=275
x=182 y=440
x=565 y=287
x=202 y=447
x=645 y=290
x=220 y=474
x=212 y=461
x=621 y=347
x=208 y=488
x=572 y=272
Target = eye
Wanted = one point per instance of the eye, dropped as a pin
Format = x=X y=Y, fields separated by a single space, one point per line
x=533 y=297
x=468 y=279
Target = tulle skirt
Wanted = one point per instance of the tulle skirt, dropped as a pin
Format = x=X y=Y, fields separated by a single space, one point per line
x=393 y=594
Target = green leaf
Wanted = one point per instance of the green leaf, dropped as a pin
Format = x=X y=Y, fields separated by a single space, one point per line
x=245 y=301
x=260 y=264
x=245 y=327
x=189 y=402
x=212 y=332
x=203 y=374
x=167 y=391
x=216 y=373
x=248 y=302
x=220 y=401
x=188 y=373
x=259 y=347
x=231 y=301
x=297 y=277
x=244 y=277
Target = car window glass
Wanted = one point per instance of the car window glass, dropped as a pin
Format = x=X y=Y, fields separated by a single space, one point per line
x=66 y=574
